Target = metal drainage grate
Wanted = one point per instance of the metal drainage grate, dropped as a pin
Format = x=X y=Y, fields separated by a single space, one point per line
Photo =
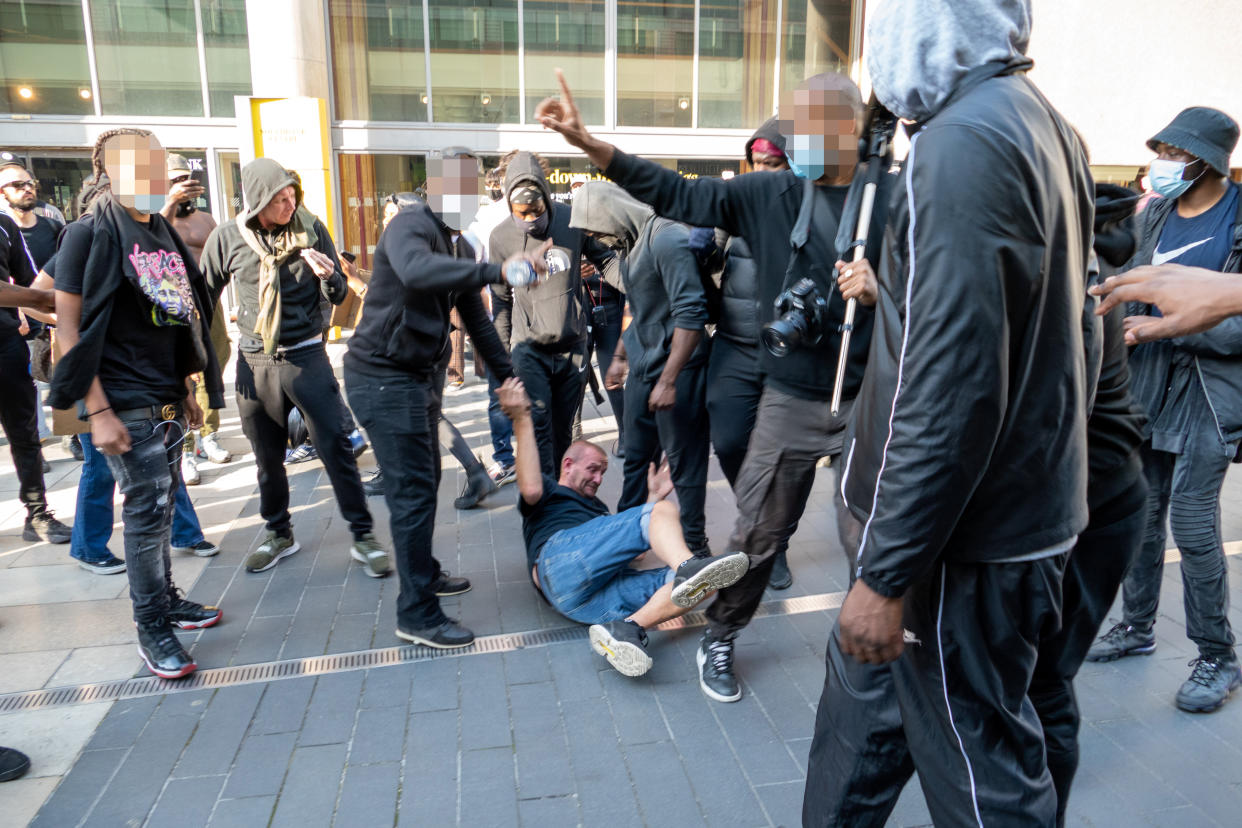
x=361 y=660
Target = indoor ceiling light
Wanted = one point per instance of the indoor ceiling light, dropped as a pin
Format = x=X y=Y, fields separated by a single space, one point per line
x=485 y=98
x=25 y=93
x=84 y=94
x=683 y=103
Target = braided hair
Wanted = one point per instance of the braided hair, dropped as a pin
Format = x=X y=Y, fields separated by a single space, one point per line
x=97 y=154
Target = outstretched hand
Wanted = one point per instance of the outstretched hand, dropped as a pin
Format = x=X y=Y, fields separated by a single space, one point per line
x=512 y=398
x=562 y=115
x=1190 y=300
x=659 y=481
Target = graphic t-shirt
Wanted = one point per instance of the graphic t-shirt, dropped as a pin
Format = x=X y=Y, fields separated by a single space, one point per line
x=559 y=508
x=1202 y=241
x=139 y=362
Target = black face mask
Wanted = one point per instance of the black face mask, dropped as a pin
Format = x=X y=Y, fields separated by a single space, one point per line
x=537 y=228
x=185 y=208
x=495 y=194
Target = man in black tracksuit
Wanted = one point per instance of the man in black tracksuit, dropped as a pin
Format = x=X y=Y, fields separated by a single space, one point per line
x=394 y=376
x=665 y=348
x=285 y=266
x=794 y=425
x=967 y=448
x=544 y=325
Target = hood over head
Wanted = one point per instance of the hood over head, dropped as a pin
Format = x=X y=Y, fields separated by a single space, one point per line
x=770 y=131
x=1115 y=239
x=261 y=180
x=918 y=51
x=524 y=170
x=603 y=207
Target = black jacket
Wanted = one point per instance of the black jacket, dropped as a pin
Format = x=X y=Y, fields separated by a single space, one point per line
x=968 y=436
x=1213 y=358
x=419 y=275
x=1115 y=424
x=762 y=207
x=227 y=256
x=550 y=314
x=15 y=264
x=739 y=295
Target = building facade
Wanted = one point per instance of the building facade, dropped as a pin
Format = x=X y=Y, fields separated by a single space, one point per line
x=681 y=81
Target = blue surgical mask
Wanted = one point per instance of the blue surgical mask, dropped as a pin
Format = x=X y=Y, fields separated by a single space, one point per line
x=806 y=155
x=1166 y=177
x=537 y=228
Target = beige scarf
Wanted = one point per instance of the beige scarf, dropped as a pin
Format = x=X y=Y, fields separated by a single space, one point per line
x=297 y=235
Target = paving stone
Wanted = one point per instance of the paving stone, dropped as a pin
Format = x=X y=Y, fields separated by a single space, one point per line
x=283 y=706
x=186 y=802
x=379 y=736
x=605 y=793
x=262 y=640
x=664 y=792
x=527 y=666
x=549 y=812
x=80 y=788
x=489 y=796
x=330 y=716
x=434 y=685
x=260 y=766
x=220 y=732
x=369 y=796
x=311 y=787
x=141 y=776
x=387 y=687
x=430 y=785
x=484 y=703
x=123 y=723
x=243 y=813
x=575 y=671
x=539 y=742
x=633 y=708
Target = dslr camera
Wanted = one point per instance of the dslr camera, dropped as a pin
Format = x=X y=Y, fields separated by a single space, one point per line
x=801 y=311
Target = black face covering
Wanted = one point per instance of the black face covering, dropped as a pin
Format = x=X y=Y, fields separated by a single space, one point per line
x=611 y=242
x=537 y=228
x=184 y=208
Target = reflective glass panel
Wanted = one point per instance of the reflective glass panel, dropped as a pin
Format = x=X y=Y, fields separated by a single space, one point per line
x=146 y=53
x=737 y=59
x=228 y=53
x=655 y=67
x=43 y=64
x=568 y=34
x=377 y=56
x=815 y=38
x=474 y=66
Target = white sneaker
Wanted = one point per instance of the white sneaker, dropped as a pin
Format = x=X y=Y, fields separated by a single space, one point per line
x=189 y=471
x=209 y=448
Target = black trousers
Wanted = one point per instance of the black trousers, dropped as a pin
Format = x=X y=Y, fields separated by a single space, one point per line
x=400 y=414
x=554 y=382
x=733 y=390
x=974 y=734
x=268 y=387
x=19 y=418
x=681 y=433
x=604 y=343
x=1096 y=567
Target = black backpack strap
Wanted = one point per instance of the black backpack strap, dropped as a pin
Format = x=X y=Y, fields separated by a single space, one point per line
x=802 y=227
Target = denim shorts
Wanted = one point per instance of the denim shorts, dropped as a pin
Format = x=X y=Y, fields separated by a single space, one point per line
x=585 y=571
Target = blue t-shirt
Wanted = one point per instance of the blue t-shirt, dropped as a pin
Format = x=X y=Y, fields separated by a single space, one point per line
x=1202 y=241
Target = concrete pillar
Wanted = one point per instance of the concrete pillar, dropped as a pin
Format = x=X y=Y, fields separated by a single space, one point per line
x=288 y=48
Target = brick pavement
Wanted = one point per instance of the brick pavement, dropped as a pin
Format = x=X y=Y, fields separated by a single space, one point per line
x=543 y=735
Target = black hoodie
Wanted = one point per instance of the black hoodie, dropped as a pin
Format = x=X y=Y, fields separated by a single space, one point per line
x=551 y=313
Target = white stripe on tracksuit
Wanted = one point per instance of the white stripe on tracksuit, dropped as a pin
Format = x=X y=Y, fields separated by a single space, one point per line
x=875 y=499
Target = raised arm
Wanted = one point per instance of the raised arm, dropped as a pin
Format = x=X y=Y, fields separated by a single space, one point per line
x=513 y=401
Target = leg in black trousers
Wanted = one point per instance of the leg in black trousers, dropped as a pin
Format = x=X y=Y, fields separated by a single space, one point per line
x=550 y=385
x=604 y=338
x=19 y=417
x=733 y=391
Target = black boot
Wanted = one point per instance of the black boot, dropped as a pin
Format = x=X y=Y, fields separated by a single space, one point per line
x=478 y=486
x=781 y=577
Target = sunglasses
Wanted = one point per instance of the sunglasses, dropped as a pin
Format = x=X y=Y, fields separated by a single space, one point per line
x=28 y=184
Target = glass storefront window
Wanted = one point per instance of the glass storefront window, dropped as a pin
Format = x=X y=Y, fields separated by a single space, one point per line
x=568 y=34
x=737 y=47
x=815 y=38
x=655 y=65
x=474 y=66
x=43 y=62
x=227 y=49
x=146 y=53
x=377 y=56
x=366 y=181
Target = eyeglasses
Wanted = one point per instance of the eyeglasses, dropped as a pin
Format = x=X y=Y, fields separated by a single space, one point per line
x=28 y=184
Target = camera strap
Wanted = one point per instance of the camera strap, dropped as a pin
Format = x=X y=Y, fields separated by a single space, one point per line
x=800 y=233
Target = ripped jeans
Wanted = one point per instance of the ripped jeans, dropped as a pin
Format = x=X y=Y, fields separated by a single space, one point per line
x=148 y=476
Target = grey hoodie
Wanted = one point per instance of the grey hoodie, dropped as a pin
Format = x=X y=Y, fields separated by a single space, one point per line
x=919 y=50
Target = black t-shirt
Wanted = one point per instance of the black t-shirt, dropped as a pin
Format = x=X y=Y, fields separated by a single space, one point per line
x=559 y=508
x=139 y=362
x=41 y=240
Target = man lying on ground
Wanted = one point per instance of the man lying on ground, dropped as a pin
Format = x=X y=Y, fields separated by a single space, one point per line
x=587 y=562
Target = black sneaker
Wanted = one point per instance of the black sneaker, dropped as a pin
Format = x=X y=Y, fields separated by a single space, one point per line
x=699 y=576
x=715 y=660
x=202 y=549
x=446 y=636
x=374 y=485
x=191 y=616
x=1121 y=641
x=13 y=764
x=110 y=565
x=781 y=577
x=1210 y=683
x=624 y=644
x=477 y=487
x=45 y=527
x=73 y=445
x=446 y=585
x=163 y=653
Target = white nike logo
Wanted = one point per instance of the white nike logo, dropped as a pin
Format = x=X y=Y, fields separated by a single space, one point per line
x=1158 y=258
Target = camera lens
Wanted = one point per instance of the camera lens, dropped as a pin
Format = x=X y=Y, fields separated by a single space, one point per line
x=783 y=335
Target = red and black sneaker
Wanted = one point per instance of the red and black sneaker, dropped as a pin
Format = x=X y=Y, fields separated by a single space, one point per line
x=191 y=616
x=162 y=652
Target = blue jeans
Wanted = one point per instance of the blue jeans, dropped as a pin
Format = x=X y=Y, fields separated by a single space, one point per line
x=502 y=428
x=585 y=571
x=92 y=522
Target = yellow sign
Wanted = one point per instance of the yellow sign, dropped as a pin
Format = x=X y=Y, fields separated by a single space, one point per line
x=294 y=132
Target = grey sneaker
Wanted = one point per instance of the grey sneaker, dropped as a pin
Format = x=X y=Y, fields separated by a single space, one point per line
x=715 y=660
x=1121 y=641
x=624 y=644
x=273 y=548
x=367 y=551
x=1210 y=683
x=699 y=576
